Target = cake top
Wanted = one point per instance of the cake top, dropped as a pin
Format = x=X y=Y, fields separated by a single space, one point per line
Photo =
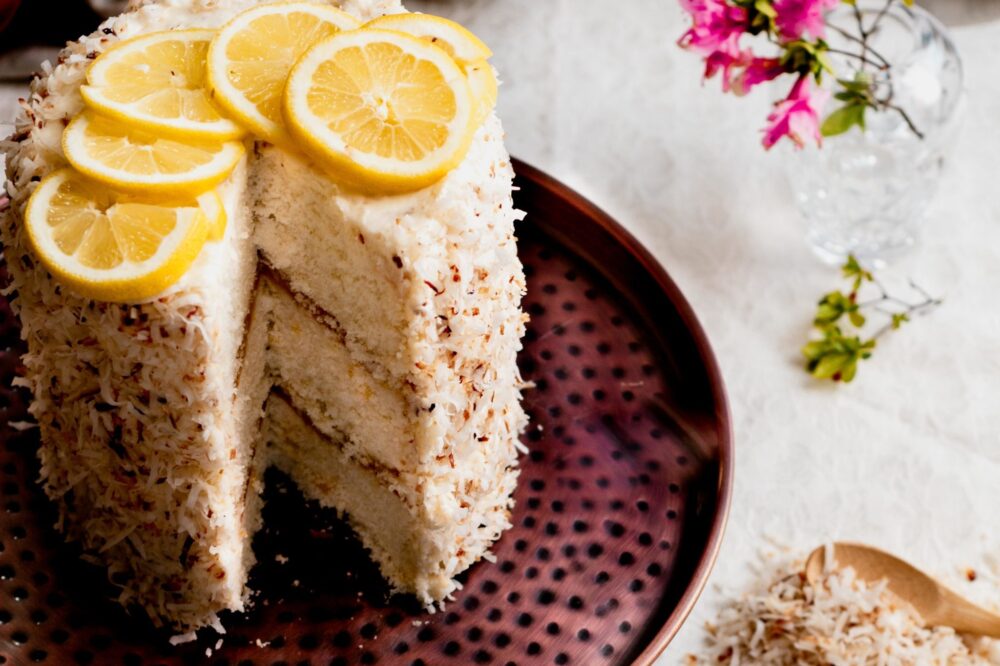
x=388 y=108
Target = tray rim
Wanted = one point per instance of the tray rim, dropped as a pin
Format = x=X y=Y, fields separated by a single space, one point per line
x=706 y=561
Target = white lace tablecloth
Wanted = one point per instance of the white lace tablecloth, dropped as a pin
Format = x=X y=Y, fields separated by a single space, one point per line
x=908 y=456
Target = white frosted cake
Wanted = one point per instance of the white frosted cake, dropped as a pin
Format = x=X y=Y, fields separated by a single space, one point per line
x=365 y=345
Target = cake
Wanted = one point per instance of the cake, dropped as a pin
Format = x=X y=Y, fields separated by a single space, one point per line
x=365 y=344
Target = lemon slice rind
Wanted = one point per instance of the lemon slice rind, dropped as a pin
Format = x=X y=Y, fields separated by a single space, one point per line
x=215 y=213
x=363 y=170
x=485 y=88
x=234 y=100
x=89 y=132
x=128 y=282
x=460 y=43
x=96 y=96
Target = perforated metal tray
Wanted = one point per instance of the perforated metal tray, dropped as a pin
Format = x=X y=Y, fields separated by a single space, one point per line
x=620 y=508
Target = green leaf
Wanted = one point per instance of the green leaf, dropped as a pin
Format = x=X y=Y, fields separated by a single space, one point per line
x=852 y=267
x=899 y=319
x=849 y=371
x=766 y=8
x=843 y=119
x=859 y=84
x=831 y=308
x=814 y=350
x=824 y=61
x=857 y=318
x=830 y=365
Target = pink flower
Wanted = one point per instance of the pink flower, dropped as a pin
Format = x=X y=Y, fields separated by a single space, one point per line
x=797 y=116
x=757 y=70
x=797 y=17
x=717 y=27
x=720 y=61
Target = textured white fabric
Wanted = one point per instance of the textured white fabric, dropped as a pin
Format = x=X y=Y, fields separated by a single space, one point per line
x=907 y=457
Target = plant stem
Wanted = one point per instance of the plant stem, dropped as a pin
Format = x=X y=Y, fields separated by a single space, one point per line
x=860 y=57
x=879 y=17
x=911 y=310
x=906 y=118
x=886 y=65
x=861 y=31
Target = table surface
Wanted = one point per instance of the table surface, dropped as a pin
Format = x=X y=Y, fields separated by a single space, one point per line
x=907 y=457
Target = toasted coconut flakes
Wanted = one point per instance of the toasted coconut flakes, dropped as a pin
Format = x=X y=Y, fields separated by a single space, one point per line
x=785 y=620
x=183 y=638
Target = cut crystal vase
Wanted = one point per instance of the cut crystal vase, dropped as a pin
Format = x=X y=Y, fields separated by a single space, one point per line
x=867 y=193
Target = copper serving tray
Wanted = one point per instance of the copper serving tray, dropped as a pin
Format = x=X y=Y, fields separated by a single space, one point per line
x=621 y=504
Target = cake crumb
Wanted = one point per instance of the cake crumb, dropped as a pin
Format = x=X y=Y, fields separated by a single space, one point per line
x=183 y=638
x=295 y=583
x=261 y=644
x=970 y=574
x=280 y=559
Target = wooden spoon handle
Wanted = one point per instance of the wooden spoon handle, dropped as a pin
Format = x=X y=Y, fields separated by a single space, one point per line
x=968 y=618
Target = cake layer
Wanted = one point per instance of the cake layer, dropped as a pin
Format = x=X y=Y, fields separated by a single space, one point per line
x=341 y=394
x=416 y=552
x=346 y=394
x=423 y=289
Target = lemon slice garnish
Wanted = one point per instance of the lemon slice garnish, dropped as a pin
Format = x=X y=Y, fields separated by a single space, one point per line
x=385 y=111
x=215 y=214
x=468 y=51
x=138 y=161
x=460 y=44
x=157 y=82
x=108 y=246
x=485 y=89
x=250 y=59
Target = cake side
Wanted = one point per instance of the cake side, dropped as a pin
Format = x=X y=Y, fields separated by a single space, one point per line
x=136 y=403
x=418 y=552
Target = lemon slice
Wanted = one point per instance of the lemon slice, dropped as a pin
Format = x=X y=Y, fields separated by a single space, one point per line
x=385 y=111
x=460 y=44
x=157 y=82
x=137 y=161
x=485 y=89
x=249 y=61
x=107 y=246
x=468 y=51
x=215 y=213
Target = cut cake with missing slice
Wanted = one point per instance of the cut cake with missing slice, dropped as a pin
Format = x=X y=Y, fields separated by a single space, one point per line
x=383 y=329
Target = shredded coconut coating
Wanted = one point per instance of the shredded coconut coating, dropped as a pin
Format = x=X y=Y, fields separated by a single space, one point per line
x=132 y=409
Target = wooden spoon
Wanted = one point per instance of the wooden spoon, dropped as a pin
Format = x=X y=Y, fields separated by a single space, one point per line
x=936 y=604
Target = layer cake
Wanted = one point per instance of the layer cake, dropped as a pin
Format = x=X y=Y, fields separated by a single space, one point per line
x=364 y=345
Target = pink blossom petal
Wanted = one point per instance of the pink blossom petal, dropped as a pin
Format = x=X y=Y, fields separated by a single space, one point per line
x=796 y=18
x=797 y=116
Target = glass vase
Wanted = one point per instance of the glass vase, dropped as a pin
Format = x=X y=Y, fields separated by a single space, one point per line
x=867 y=192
